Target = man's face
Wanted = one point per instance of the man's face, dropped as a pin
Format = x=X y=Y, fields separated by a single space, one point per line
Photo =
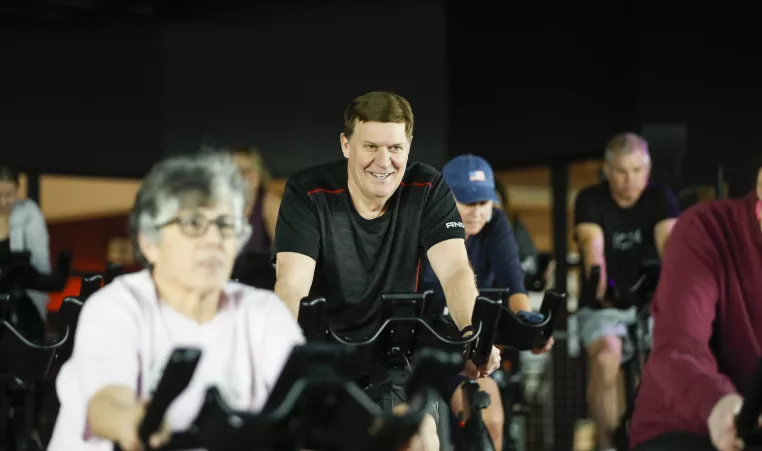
x=475 y=216
x=628 y=175
x=377 y=155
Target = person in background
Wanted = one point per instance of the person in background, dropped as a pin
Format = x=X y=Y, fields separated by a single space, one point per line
x=490 y=244
x=707 y=336
x=187 y=224
x=253 y=266
x=23 y=229
x=527 y=250
x=621 y=224
x=262 y=209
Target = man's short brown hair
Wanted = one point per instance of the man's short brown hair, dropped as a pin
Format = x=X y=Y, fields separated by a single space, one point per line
x=378 y=106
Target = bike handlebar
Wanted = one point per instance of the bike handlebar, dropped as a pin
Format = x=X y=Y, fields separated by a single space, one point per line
x=90 y=284
x=391 y=321
x=495 y=323
x=402 y=309
x=176 y=378
x=20 y=273
x=636 y=294
x=315 y=411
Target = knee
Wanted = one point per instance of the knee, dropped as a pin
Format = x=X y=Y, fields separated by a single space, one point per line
x=605 y=358
x=493 y=416
x=426 y=438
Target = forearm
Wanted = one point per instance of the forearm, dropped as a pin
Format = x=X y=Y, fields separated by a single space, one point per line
x=291 y=295
x=112 y=412
x=519 y=302
x=593 y=255
x=460 y=292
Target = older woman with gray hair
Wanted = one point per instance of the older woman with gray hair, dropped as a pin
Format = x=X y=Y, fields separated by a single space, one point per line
x=188 y=223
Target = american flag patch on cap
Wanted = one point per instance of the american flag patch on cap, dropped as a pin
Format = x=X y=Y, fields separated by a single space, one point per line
x=477 y=176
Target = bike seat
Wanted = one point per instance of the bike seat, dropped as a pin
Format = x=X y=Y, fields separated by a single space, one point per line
x=23 y=359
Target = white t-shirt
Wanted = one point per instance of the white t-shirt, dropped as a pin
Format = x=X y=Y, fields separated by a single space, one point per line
x=125 y=336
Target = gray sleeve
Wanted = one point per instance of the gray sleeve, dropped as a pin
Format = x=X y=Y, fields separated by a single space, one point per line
x=33 y=236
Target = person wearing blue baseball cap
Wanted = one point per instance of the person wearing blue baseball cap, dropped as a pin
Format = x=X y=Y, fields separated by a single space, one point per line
x=490 y=242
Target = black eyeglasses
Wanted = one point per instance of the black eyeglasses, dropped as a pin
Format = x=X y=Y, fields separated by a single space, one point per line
x=197 y=225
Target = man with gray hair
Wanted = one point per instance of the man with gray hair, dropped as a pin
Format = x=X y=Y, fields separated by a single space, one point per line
x=619 y=224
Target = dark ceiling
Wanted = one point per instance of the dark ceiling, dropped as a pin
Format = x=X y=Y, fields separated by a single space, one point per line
x=94 y=13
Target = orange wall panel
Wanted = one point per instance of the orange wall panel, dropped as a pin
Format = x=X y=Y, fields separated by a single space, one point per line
x=88 y=240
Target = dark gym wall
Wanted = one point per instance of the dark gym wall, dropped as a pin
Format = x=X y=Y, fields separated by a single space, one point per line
x=111 y=100
x=281 y=80
x=81 y=102
x=527 y=88
x=709 y=82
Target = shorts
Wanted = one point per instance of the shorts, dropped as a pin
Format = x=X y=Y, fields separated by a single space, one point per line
x=597 y=323
x=400 y=397
x=438 y=408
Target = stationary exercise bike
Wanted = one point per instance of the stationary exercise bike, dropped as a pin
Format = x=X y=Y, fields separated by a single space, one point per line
x=314 y=405
x=25 y=358
x=407 y=325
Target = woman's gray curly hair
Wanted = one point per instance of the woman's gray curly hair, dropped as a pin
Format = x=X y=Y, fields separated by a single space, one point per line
x=185 y=182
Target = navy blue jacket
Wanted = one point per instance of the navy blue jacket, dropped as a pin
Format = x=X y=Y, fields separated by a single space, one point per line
x=494 y=255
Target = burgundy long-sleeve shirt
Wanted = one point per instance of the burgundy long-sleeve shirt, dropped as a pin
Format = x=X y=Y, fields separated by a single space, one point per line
x=707 y=315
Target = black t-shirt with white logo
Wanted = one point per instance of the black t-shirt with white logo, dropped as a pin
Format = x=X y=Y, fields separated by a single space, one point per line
x=628 y=232
x=360 y=259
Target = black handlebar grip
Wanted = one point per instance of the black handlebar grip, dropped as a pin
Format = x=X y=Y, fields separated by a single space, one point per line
x=748 y=418
x=177 y=375
x=63 y=264
x=486 y=312
x=311 y=316
x=552 y=303
x=90 y=284
x=112 y=272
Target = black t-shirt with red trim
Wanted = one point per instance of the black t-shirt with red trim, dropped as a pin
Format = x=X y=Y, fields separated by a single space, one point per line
x=360 y=259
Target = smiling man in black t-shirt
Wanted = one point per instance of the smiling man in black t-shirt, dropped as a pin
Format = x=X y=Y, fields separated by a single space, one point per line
x=357 y=228
x=620 y=225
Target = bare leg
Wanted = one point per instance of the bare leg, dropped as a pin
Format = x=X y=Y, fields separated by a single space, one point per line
x=493 y=416
x=426 y=439
x=603 y=400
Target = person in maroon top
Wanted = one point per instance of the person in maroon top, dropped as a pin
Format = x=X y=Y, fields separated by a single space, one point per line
x=707 y=333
